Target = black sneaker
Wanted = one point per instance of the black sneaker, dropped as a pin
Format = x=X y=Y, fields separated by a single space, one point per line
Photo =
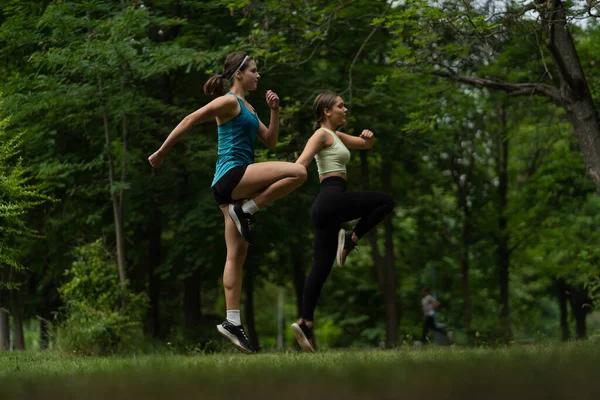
x=345 y=246
x=236 y=335
x=243 y=222
x=304 y=336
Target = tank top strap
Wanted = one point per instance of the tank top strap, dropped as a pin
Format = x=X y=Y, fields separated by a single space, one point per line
x=332 y=133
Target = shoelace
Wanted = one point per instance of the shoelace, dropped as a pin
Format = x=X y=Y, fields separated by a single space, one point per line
x=248 y=221
x=244 y=334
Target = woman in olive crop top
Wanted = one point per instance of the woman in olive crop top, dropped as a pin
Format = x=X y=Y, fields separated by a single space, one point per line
x=237 y=177
x=334 y=204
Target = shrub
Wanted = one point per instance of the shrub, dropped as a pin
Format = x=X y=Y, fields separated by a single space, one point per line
x=100 y=316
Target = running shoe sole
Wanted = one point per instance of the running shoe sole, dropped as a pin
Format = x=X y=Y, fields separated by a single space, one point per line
x=302 y=340
x=234 y=340
x=340 y=248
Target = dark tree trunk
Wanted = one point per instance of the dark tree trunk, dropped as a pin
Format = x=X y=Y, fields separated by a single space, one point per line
x=464 y=277
x=249 y=280
x=391 y=300
x=503 y=252
x=462 y=190
x=298 y=272
x=192 y=311
x=564 y=311
x=154 y=259
x=580 y=307
x=15 y=310
x=574 y=89
x=4 y=330
x=384 y=267
x=4 y=307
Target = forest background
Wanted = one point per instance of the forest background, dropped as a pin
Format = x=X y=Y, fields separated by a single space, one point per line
x=487 y=136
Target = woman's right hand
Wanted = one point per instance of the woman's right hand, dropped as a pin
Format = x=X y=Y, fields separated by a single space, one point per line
x=156 y=159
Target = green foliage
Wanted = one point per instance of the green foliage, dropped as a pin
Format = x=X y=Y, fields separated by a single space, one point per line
x=18 y=196
x=100 y=316
x=68 y=64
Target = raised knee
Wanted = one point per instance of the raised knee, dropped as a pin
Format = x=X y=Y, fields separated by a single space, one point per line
x=301 y=173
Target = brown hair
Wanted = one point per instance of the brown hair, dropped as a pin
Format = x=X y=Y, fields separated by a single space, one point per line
x=323 y=101
x=214 y=86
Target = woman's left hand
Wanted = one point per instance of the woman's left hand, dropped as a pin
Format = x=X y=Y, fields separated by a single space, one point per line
x=367 y=135
x=272 y=100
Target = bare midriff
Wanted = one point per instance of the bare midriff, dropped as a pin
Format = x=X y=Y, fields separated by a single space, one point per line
x=332 y=174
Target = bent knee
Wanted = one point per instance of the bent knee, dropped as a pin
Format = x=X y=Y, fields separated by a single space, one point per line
x=300 y=172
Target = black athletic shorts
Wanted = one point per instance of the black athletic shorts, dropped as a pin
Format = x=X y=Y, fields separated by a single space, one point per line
x=224 y=187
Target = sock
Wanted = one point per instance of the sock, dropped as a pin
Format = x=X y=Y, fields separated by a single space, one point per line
x=233 y=316
x=250 y=207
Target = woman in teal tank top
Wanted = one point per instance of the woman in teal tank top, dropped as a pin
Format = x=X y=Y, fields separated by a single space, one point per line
x=237 y=177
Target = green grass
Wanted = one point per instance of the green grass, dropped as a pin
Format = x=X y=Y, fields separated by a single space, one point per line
x=536 y=372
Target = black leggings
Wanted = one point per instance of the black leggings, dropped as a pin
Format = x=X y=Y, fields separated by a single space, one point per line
x=333 y=206
x=429 y=323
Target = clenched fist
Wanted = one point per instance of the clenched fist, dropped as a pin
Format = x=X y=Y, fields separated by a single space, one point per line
x=366 y=134
x=156 y=159
x=272 y=100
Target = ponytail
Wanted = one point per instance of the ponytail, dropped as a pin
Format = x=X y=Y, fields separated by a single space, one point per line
x=234 y=62
x=214 y=86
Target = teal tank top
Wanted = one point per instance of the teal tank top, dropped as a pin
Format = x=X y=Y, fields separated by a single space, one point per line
x=236 y=141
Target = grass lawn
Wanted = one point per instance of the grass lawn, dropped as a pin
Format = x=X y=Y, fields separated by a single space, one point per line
x=534 y=372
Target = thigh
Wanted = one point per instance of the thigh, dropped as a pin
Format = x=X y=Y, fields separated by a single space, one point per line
x=259 y=176
x=347 y=206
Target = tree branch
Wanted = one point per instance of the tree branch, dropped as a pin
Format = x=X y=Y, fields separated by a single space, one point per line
x=553 y=16
x=517 y=14
x=513 y=89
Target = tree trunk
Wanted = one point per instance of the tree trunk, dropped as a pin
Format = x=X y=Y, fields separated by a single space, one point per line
x=463 y=206
x=118 y=217
x=580 y=306
x=154 y=260
x=15 y=310
x=574 y=92
x=391 y=300
x=384 y=268
x=248 y=283
x=4 y=330
x=298 y=272
x=574 y=89
x=4 y=307
x=464 y=278
x=564 y=311
x=280 y=319
x=503 y=252
x=192 y=311
x=44 y=337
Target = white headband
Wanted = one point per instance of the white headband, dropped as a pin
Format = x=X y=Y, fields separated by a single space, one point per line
x=238 y=68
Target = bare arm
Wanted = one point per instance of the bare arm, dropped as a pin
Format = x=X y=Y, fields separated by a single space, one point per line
x=316 y=142
x=270 y=135
x=362 y=142
x=219 y=107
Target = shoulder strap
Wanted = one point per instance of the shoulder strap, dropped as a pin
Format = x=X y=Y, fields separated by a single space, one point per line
x=332 y=133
